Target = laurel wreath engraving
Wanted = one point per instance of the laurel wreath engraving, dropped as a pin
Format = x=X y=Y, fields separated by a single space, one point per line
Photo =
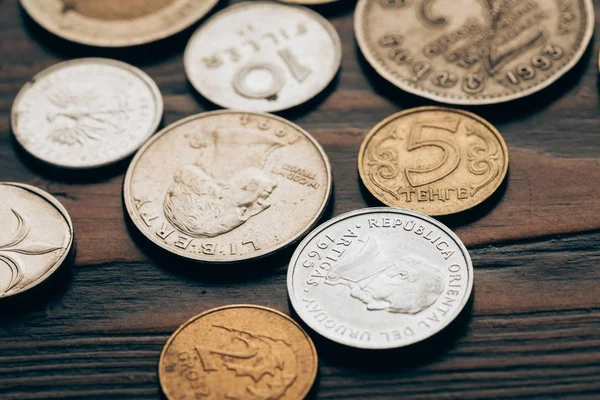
x=15 y=245
x=483 y=159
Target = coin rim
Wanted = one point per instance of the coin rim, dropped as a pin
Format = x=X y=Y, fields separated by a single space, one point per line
x=315 y=364
x=135 y=71
x=467 y=100
x=333 y=34
x=261 y=254
x=115 y=43
x=63 y=212
x=374 y=131
x=376 y=210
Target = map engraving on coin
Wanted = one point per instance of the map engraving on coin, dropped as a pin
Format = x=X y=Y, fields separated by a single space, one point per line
x=35 y=238
x=380 y=278
x=228 y=186
x=263 y=56
x=86 y=113
x=434 y=160
x=238 y=352
x=473 y=51
x=116 y=23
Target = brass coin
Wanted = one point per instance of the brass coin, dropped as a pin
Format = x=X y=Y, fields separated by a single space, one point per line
x=263 y=56
x=228 y=186
x=434 y=160
x=116 y=23
x=36 y=235
x=473 y=51
x=238 y=352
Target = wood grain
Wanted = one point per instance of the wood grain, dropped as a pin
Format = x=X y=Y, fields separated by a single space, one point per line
x=533 y=330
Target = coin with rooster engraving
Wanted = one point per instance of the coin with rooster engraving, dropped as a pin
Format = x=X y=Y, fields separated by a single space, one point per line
x=228 y=186
x=86 y=113
x=36 y=236
x=116 y=23
x=473 y=51
x=380 y=278
x=238 y=352
x=263 y=56
x=434 y=160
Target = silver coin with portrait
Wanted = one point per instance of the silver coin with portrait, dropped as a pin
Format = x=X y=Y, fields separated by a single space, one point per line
x=380 y=278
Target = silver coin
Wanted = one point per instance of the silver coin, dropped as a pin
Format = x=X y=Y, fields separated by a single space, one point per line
x=263 y=56
x=86 y=113
x=380 y=278
x=36 y=236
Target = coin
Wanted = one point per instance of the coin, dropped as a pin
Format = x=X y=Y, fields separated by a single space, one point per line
x=380 y=278
x=472 y=51
x=86 y=113
x=228 y=186
x=36 y=236
x=434 y=160
x=263 y=56
x=238 y=352
x=116 y=23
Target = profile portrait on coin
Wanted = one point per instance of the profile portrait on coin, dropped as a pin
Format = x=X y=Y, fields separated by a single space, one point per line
x=215 y=195
x=388 y=281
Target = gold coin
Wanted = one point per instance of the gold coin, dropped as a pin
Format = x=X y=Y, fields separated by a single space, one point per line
x=473 y=51
x=238 y=352
x=116 y=23
x=434 y=160
x=36 y=237
x=228 y=186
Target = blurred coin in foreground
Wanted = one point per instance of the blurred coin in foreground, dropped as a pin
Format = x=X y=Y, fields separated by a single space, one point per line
x=116 y=23
x=228 y=186
x=86 y=113
x=238 y=352
x=434 y=160
x=380 y=278
x=263 y=56
x=36 y=236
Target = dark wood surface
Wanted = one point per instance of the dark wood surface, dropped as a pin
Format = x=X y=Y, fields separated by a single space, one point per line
x=532 y=330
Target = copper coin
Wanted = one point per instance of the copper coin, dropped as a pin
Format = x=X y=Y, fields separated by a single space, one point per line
x=380 y=278
x=116 y=23
x=473 y=51
x=263 y=56
x=434 y=160
x=86 y=113
x=36 y=235
x=228 y=186
x=238 y=352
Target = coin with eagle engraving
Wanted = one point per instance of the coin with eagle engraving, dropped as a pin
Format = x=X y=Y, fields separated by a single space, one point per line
x=263 y=56
x=238 y=352
x=228 y=186
x=380 y=278
x=86 y=113
x=116 y=23
x=473 y=51
x=36 y=236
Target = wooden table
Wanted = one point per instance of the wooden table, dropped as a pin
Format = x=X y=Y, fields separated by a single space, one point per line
x=532 y=330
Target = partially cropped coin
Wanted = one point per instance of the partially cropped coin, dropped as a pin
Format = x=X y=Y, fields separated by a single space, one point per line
x=263 y=56
x=238 y=352
x=36 y=236
x=228 y=186
x=434 y=160
x=116 y=23
x=473 y=51
x=380 y=278
x=86 y=113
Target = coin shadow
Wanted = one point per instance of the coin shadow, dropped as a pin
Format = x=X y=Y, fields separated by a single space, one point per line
x=334 y=9
x=237 y=272
x=502 y=112
x=392 y=360
x=140 y=55
x=46 y=293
